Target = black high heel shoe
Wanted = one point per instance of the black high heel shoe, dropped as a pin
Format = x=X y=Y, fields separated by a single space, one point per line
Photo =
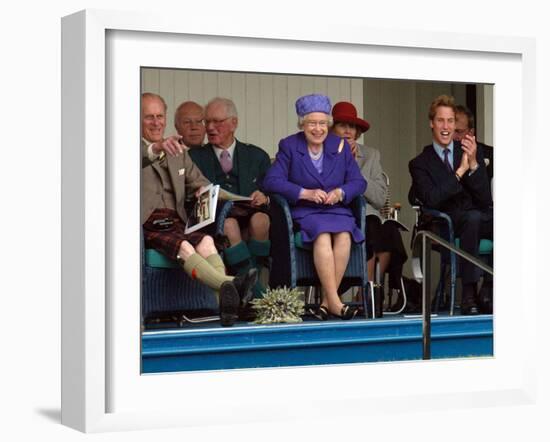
x=321 y=313
x=347 y=312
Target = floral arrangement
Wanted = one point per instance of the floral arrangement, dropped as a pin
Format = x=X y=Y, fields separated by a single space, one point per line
x=279 y=305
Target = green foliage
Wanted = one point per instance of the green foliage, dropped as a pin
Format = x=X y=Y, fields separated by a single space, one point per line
x=279 y=305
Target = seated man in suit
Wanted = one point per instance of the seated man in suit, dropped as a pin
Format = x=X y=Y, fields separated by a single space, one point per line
x=165 y=184
x=451 y=176
x=189 y=122
x=153 y=124
x=238 y=168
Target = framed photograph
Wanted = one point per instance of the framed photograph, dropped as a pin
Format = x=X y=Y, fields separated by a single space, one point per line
x=103 y=385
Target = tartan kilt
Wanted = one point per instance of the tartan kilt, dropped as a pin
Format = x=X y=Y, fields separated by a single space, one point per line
x=242 y=211
x=167 y=236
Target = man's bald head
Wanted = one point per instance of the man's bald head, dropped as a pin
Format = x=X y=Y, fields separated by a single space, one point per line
x=189 y=123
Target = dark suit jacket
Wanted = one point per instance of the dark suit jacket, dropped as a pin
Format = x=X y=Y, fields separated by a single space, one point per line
x=488 y=156
x=437 y=188
x=252 y=164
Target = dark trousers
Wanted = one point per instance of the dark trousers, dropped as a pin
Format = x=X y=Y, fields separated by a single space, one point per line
x=471 y=226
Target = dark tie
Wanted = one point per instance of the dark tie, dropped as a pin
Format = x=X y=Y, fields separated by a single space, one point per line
x=447 y=162
x=225 y=161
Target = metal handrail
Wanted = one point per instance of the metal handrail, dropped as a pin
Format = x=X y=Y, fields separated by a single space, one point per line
x=421 y=272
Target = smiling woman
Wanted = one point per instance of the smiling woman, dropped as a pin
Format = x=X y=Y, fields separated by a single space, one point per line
x=315 y=171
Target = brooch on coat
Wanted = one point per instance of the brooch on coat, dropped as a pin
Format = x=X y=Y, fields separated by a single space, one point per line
x=341 y=145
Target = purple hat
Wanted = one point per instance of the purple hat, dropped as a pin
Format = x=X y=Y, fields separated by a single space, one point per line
x=312 y=103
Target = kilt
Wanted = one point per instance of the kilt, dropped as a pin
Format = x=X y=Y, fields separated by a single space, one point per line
x=242 y=211
x=164 y=231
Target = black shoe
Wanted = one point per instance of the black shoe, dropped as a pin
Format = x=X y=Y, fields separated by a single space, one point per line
x=244 y=284
x=321 y=313
x=347 y=312
x=229 y=304
x=469 y=305
x=247 y=313
x=469 y=310
x=485 y=300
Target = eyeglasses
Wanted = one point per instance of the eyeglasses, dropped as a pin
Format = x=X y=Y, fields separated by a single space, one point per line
x=216 y=122
x=313 y=124
x=190 y=122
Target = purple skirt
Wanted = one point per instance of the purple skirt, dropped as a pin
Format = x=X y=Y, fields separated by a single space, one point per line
x=314 y=224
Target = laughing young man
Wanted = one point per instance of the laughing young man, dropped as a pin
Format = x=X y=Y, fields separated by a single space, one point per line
x=450 y=176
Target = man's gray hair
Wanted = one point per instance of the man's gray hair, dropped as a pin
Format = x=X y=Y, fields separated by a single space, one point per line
x=150 y=95
x=230 y=108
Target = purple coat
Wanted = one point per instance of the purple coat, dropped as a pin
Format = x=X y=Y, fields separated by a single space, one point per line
x=294 y=170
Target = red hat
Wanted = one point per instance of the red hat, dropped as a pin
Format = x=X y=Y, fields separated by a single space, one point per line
x=345 y=112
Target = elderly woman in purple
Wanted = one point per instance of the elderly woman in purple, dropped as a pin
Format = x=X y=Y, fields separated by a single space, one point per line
x=317 y=174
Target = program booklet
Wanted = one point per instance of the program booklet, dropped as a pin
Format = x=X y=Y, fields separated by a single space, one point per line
x=204 y=212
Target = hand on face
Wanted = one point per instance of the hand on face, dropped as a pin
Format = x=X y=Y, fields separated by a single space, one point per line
x=349 y=132
x=353 y=145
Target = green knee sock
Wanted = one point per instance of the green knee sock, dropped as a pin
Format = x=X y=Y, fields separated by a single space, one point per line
x=237 y=257
x=200 y=269
x=259 y=248
x=260 y=258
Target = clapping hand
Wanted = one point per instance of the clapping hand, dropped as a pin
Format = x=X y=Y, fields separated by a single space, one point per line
x=469 y=147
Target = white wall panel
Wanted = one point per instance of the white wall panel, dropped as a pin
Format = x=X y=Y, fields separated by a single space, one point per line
x=265 y=102
x=166 y=91
x=150 y=80
x=253 y=129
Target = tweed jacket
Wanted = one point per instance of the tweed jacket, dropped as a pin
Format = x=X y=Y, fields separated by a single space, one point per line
x=167 y=183
x=368 y=160
x=252 y=164
x=145 y=161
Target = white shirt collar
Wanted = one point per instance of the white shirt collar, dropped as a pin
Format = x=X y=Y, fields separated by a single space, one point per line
x=230 y=149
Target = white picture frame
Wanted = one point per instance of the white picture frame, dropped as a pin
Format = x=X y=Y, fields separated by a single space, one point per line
x=101 y=388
